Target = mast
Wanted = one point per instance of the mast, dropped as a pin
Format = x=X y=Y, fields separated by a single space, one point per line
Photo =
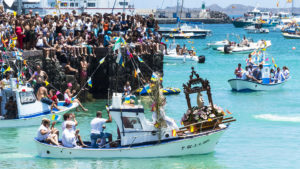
x=112 y=11
x=292 y=7
x=19 y=6
x=124 y=6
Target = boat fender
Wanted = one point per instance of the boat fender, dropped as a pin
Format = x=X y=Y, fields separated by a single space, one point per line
x=167 y=135
x=201 y=59
x=153 y=133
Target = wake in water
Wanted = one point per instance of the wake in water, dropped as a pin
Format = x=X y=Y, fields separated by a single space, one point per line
x=171 y=64
x=272 y=117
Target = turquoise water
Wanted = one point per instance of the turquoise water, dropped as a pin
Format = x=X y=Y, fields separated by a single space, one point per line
x=266 y=134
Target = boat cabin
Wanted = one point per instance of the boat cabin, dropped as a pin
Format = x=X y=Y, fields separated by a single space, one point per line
x=27 y=104
x=265 y=72
x=134 y=127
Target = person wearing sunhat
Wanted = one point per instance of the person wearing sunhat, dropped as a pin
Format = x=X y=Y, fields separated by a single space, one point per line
x=68 y=96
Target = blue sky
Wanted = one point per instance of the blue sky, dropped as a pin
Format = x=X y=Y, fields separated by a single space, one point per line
x=222 y=3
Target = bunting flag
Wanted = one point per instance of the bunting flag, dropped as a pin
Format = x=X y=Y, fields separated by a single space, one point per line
x=140 y=59
x=263 y=49
x=154 y=77
x=102 y=60
x=135 y=73
x=7 y=70
x=46 y=83
x=174 y=133
x=90 y=82
x=228 y=111
x=123 y=41
x=127 y=99
x=224 y=114
x=253 y=53
x=120 y=60
x=54 y=117
x=277 y=4
x=117 y=44
x=57 y=93
x=267 y=59
x=192 y=129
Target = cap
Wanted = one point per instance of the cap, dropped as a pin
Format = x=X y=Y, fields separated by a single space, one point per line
x=69 y=84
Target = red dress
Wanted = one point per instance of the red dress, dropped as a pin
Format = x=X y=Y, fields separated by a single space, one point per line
x=20 y=37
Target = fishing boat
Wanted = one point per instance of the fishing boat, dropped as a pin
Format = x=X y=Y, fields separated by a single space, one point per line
x=238 y=48
x=291 y=36
x=161 y=137
x=30 y=110
x=266 y=83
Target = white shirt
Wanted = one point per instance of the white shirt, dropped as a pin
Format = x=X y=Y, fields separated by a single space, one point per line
x=286 y=73
x=41 y=137
x=245 y=74
x=63 y=125
x=69 y=138
x=96 y=125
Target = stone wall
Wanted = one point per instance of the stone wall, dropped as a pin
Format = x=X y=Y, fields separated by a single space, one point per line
x=110 y=75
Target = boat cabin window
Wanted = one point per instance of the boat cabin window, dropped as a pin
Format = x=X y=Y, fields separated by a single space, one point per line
x=132 y=123
x=27 y=97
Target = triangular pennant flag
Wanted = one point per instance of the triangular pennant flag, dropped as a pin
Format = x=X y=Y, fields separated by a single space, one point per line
x=140 y=59
x=102 y=60
x=90 y=82
x=46 y=83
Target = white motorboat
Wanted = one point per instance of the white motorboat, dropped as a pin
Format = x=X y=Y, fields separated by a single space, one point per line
x=257 y=28
x=172 y=55
x=238 y=48
x=30 y=110
x=140 y=138
x=291 y=36
x=185 y=29
x=249 y=85
x=217 y=44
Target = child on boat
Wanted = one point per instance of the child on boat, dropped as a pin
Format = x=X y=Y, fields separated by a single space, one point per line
x=69 y=93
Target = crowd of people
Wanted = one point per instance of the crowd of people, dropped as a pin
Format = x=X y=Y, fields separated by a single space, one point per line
x=71 y=39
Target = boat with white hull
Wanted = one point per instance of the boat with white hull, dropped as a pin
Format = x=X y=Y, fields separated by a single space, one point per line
x=245 y=85
x=30 y=110
x=197 y=144
x=161 y=137
x=245 y=48
x=291 y=36
x=217 y=44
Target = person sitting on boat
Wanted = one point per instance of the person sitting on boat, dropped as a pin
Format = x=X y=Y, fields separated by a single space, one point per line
x=5 y=83
x=69 y=118
x=39 y=76
x=42 y=95
x=69 y=136
x=47 y=134
x=127 y=89
x=272 y=75
x=286 y=72
x=245 y=41
x=53 y=96
x=257 y=74
x=279 y=76
x=69 y=93
x=238 y=71
x=97 y=127
x=11 y=109
x=183 y=50
x=178 y=49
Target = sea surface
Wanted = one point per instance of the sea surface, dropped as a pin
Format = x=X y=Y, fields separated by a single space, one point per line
x=265 y=135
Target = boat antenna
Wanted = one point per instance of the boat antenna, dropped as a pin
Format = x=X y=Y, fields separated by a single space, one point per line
x=180 y=14
x=112 y=11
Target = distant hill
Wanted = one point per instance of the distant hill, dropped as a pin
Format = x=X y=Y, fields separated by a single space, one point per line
x=238 y=9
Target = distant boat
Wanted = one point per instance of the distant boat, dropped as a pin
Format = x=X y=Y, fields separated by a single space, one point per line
x=256 y=28
x=291 y=36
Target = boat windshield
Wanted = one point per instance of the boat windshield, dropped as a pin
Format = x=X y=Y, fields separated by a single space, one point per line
x=27 y=97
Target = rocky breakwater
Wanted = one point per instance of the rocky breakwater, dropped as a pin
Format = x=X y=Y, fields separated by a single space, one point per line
x=109 y=75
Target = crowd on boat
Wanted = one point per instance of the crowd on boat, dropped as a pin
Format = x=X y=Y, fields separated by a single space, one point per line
x=253 y=72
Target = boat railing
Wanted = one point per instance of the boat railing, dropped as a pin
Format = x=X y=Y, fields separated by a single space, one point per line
x=205 y=125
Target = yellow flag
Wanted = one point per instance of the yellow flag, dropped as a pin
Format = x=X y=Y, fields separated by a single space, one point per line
x=264 y=49
x=209 y=119
x=135 y=73
x=15 y=13
x=174 y=133
x=46 y=83
x=192 y=129
x=7 y=70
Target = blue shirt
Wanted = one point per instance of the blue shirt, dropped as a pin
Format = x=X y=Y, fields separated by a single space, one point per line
x=106 y=40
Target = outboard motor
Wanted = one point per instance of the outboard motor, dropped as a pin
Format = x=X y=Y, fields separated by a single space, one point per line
x=226 y=49
x=201 y=59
